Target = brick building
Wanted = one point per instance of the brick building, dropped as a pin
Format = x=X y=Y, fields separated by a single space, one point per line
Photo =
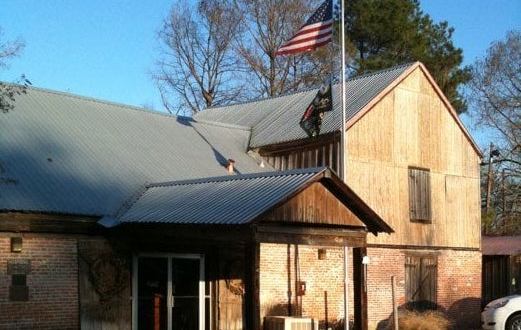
x=412 y=160
x=115 y=217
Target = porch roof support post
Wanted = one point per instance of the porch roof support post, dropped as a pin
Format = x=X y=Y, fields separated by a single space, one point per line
x=252 y=262
x=360 y=288
x=346 y=289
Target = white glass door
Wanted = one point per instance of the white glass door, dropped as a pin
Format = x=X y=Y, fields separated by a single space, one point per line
x=170 y=292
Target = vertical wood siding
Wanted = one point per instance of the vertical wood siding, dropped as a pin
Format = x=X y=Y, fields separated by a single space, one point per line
x=409 y=127
x=421 y=276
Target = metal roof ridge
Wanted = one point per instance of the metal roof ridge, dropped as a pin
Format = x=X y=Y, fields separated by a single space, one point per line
x=310 y=170
x=221 y=124
x=96 y=100
x=308 y=89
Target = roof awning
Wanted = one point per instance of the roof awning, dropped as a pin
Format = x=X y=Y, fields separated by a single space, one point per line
x=237 y=199
x=501 y=245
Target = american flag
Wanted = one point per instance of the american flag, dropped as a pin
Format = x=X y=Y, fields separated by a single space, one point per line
x=315 y=33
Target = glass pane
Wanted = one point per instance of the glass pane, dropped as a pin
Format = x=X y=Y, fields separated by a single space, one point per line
x=185 y=288
x=152 y=293
x=185 y=277
x=207 y=313
x=185 y=314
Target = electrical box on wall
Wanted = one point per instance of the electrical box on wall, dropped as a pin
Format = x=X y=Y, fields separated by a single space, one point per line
x=301 y=288
x=18 y=270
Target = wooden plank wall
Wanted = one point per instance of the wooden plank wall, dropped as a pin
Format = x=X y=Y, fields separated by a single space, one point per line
x=495 y=278
x=409 y=127
x=230 y=289
x=96 y=257
x=314 y=205
x=325 y=154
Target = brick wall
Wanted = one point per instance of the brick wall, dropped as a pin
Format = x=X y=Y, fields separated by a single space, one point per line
x=52 y=282
x=459 y=287
x=324 y=282
x=459 y=284
x=458 y=294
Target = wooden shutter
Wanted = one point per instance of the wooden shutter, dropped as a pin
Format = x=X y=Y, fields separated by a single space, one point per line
x=412 y=277
x=421 y=274
x=419 y=194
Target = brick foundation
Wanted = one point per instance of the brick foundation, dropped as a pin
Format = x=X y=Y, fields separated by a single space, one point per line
x=324 y=282
x=459 y=284
x=458 y=294
x=53 y=284
x=54 y=299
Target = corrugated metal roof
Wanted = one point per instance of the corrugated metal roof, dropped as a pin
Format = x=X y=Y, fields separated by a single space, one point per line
x=230 y=200
x=277 y=120
x=69 y=154
x=501 y=245
x=75 y=155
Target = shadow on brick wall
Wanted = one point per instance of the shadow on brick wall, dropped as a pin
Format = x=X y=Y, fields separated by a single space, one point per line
x=463 y=314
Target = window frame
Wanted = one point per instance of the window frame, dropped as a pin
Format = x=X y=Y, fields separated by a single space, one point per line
x=418 y=196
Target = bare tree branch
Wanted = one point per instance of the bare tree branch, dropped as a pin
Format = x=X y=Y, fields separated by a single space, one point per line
x=269 y=23
x=496 y=100
x=197 y=67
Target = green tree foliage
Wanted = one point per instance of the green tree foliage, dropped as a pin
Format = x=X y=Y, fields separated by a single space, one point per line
x=383 y=33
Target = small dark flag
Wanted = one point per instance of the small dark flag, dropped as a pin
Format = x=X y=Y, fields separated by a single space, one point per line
x=312 y=118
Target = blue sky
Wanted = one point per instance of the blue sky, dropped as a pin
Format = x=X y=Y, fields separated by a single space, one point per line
x=106 y=49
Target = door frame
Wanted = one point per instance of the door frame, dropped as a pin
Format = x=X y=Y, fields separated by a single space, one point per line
x=169 y=256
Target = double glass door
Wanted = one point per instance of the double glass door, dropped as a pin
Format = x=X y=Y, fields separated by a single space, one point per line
x=170 y=292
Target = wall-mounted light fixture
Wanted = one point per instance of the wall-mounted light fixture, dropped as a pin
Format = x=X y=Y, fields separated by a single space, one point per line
x=365 y=262
x=16 y=244
x=322 y=254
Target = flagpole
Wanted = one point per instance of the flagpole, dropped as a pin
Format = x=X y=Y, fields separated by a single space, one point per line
x=343 y=152
x=343 y=137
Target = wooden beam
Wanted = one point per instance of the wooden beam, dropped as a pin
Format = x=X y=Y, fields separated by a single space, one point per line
x=184 y=234
x=310 y=236
x=49 y=223
x=293 y=146
x=252 y=294
x=421 y=247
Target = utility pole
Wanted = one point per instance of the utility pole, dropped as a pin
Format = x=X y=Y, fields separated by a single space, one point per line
x=490 y=175
x=503 y=192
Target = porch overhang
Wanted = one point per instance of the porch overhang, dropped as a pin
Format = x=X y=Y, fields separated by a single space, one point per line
x=297 y=203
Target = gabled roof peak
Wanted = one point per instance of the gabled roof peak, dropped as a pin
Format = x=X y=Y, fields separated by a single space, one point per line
x=316 y=87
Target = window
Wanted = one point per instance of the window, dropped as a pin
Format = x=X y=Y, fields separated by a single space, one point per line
x=18 y=290
x=420 y=194
x=421 y=273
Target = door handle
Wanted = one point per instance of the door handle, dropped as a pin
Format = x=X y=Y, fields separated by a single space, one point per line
x=171 y=301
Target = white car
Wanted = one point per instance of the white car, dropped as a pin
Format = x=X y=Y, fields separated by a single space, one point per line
x=502 y=314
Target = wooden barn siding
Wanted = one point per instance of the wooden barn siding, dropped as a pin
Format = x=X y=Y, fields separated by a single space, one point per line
x=410 y=126
x=117 y=313
x=229 y=293
x=501 y=276
x=327 y=153
x=495 y=278
x=314 y=205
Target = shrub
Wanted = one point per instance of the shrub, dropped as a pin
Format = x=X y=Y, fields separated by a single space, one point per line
x=411 y=320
